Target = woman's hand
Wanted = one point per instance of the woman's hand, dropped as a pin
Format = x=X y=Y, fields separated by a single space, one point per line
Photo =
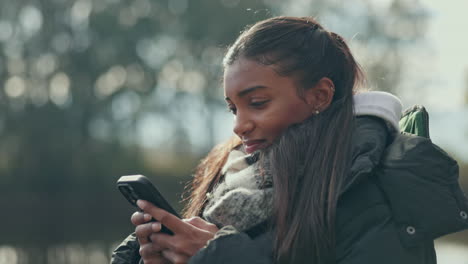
x=190 y=235
x=149 y=252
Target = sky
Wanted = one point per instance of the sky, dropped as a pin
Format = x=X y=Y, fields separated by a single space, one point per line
x=447 y=35
x=448 y=110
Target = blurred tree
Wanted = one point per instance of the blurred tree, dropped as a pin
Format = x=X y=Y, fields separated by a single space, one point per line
x=381 y=33
x=97 y=89
x=82 y=78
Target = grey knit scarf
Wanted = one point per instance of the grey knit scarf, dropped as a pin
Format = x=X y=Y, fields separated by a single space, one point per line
x=244 y=197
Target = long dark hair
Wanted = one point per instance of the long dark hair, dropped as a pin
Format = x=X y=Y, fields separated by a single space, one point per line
x=308 y=164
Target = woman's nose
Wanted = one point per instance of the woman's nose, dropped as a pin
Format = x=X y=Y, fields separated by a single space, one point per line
x=242 y=126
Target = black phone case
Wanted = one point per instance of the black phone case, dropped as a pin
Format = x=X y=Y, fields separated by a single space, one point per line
x=134 y=187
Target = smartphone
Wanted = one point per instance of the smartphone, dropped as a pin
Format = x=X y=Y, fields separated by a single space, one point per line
x=135 y=187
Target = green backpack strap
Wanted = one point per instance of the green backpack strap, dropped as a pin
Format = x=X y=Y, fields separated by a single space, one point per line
x=415 y=120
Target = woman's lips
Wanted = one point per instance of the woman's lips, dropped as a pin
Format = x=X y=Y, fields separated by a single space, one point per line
x=253 y=145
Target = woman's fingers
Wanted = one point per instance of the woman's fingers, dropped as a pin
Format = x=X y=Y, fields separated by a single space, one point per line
x=174 y=257
x=189 y=235
x=139 y=218
x=152 y=255
x=174 y=243
x=202 y=224
x=161 y=241
x=143 y=232
x=147 y=251
x=180 y=244
x=169 y=220
x=156 y=227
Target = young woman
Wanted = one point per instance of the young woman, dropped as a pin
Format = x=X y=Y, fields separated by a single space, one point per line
x=315 y=174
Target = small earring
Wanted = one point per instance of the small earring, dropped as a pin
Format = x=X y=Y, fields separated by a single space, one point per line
x=317 y=112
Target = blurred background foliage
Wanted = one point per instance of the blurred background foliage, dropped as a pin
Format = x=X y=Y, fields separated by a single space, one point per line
x=92 y=90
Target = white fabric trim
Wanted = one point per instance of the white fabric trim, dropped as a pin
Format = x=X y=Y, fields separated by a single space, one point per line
x=380 y=104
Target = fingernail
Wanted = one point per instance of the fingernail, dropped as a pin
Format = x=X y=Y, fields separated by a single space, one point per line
x=147 y=217
x=156 y=227
x=140 y=203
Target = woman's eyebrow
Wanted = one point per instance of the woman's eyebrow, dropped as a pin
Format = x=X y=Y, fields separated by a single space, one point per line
x=247 y=91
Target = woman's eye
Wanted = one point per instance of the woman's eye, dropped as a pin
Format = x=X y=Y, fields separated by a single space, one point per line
x=232 y=109
x=259 y=103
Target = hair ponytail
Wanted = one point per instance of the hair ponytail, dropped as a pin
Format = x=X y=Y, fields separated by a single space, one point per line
x=308 y=164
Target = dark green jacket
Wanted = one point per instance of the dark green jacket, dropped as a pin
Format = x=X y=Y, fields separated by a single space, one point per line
x=401 y=194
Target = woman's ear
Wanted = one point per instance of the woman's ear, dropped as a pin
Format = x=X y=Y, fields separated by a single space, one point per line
x=321 y=95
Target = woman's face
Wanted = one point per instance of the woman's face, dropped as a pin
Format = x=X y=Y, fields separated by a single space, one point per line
x=264 y=103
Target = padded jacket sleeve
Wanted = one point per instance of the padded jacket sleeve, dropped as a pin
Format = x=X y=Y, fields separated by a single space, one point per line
x=232 y=247
x=127 y=252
